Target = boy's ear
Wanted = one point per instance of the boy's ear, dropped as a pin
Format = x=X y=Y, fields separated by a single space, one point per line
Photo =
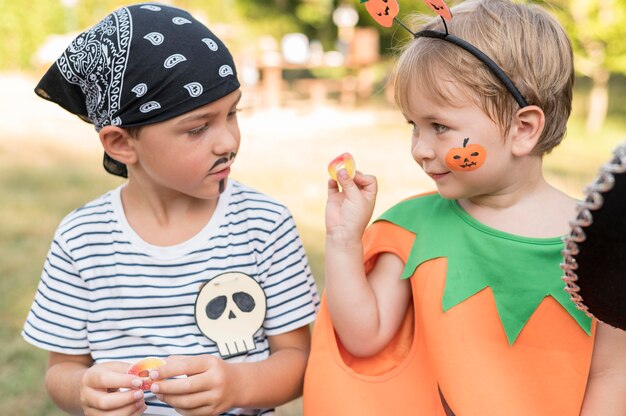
x=118 y=144
x=526 y=129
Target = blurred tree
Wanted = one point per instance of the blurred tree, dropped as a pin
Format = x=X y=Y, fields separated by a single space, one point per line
x=23 y=27
x=278 y=17
x=598 y=35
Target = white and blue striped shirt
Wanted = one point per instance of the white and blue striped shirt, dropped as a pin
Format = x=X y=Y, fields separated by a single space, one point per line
x=106 y=292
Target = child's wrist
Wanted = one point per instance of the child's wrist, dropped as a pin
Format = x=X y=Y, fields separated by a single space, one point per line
x=343 y=240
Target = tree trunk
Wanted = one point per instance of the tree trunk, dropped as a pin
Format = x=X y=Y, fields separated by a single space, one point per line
x=598 y=100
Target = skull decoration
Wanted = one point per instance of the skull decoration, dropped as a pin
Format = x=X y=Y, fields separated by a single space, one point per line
x=229 y=309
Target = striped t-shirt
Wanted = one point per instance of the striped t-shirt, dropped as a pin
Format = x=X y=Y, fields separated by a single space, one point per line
x=106 y=292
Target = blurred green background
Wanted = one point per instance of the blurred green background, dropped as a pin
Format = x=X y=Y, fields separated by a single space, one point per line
x=50 y=161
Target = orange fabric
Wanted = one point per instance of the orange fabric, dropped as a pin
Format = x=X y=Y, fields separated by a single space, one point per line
x=337 y=383
x=464 y=351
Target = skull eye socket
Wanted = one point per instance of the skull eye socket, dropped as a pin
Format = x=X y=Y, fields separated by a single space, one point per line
x=215 y=308
x=244 y=301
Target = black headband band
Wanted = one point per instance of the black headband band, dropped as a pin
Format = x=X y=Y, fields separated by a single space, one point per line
x=495 y=69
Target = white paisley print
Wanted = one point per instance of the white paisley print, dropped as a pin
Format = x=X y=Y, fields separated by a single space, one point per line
x=96 y=61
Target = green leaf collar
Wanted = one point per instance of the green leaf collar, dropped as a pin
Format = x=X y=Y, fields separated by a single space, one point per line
x=520 y=271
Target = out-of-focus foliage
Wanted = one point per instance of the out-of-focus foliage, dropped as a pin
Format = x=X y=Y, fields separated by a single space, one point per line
x=597 y=30
x=596 y=27
x=598 y=35
x=279 y=17
x=25 y=26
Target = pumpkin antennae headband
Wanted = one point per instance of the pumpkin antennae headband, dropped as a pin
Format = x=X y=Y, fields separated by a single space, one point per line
x=385 y=13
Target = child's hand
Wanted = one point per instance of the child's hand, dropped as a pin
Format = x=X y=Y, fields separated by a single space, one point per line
x=349 y=210
x=208 y=389
x=100 y=390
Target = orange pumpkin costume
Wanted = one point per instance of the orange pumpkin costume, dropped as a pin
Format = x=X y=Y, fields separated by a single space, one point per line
x=460 y=356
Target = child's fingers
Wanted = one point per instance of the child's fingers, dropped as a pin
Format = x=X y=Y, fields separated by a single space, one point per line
x=362 y=179
x=333 y=186
x=362 y=184
x=174 y=386
x=347 y=184
x=111 y=380
x=366 y=182
x=122 y=402
x=188 y=401
x=181 y=366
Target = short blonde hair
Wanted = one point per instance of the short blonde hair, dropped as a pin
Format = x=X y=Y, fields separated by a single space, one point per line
x=523 y=39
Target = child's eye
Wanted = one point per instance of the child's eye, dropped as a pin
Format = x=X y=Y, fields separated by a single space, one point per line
x=198 y=131
x=413 y=126
x=440 y=128
x=234 y=112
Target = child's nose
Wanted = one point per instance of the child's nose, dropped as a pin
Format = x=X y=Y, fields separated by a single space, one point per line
x=422 y=150
x=228 y=141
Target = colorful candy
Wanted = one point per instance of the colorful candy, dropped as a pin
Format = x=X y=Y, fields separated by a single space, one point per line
x=142 y=369
x=343 y=161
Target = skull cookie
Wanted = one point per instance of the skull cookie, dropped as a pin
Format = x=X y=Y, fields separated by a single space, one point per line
x=229 y=309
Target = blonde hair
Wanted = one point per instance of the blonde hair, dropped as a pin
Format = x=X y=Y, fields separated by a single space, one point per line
x=523 y=39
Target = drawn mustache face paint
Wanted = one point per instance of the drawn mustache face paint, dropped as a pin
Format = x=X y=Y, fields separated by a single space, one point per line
x=466 y=158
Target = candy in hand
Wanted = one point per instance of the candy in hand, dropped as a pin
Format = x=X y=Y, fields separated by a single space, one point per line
x=142 y=369
x=343 y=161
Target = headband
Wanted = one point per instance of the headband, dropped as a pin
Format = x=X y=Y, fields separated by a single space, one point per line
x=385 y=12
x=141 y=64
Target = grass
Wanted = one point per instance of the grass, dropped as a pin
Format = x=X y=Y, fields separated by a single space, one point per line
x=42 y=178
x=35 y=196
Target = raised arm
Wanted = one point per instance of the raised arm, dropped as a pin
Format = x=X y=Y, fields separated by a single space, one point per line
x=366 y=310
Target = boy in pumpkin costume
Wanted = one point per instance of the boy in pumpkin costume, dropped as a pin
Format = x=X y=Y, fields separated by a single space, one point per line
x=452 y=303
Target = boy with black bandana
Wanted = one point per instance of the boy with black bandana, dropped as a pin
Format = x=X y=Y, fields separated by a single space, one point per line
x=170 y=263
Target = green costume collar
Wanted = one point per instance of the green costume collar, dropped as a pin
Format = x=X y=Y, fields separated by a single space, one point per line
x=478 y=255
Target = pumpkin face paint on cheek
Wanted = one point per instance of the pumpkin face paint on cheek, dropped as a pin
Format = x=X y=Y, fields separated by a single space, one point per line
x=466 y=158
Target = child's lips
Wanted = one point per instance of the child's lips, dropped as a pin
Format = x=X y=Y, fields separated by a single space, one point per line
x=221 y=174
x=437 y=176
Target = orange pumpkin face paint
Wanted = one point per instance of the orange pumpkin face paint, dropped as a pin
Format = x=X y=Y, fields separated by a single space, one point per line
x=466 y=158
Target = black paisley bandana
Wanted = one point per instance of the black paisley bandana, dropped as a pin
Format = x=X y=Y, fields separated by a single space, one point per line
x=141 y=64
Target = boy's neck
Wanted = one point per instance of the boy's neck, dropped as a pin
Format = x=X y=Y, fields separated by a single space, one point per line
x=165 y=219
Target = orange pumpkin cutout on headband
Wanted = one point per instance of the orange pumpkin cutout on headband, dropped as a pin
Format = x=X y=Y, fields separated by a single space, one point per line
x=383 y=11
x=466 y=158
x=440 y=7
